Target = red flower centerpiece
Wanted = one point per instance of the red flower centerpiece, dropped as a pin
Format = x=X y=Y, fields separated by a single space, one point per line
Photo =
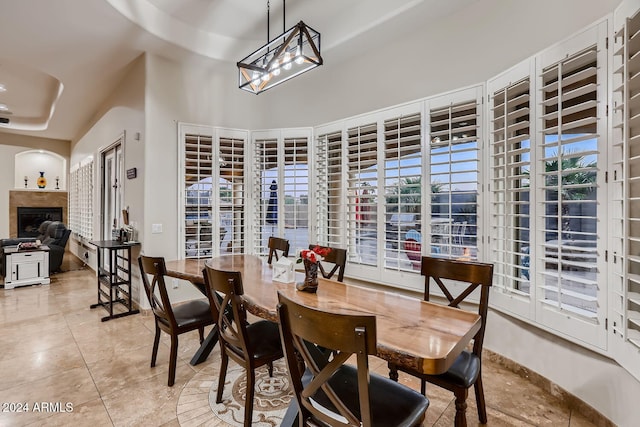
x=311 y=258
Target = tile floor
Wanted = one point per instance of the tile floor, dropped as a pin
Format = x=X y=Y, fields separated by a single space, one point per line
x=54 y=349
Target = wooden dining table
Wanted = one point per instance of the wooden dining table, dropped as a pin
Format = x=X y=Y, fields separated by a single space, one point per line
x=413 y=333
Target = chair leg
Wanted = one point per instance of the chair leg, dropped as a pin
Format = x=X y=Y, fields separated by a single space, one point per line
x=201 y=332
x=270 y=368
x=173 y=358
x=423 y=387
x=393 y=372
x=224 y=361
x=482 y=410
x=248 y=404
x=154 y=352
x=461 y=407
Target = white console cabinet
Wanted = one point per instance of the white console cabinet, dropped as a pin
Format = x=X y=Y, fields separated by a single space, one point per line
x=28 y=267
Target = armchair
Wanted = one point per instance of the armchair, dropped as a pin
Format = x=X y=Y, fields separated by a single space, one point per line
x=54 y=234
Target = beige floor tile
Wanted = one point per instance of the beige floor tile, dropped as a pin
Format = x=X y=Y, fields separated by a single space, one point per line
x=39 y=365
x=117 y=372
x=22 y=346
x=146 y=403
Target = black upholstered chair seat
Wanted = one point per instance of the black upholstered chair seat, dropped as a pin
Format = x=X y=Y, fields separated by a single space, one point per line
x=464 y=371
x=192 y=313
x=392 y=404
x=264 y=338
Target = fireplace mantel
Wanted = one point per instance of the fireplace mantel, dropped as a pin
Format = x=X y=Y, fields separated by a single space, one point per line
x=35 y=199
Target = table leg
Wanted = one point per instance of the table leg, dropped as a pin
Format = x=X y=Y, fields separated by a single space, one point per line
x=206 y=347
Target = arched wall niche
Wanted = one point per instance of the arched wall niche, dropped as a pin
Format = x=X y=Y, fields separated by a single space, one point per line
x=29 y=164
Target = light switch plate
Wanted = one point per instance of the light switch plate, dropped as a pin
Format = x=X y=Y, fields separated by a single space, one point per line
x=156 y=228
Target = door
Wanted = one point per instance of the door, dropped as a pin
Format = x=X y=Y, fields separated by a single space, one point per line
x=112 y=178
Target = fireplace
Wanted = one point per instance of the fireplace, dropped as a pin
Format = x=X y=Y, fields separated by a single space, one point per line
x=29 y=219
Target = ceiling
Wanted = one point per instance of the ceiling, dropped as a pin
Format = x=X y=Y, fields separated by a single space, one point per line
x=59 y=60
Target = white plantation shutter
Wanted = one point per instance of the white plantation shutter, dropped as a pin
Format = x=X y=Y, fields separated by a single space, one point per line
x=296 y=192
x=362 y=190
x=329 y=191
x=454 y=170
x=74 y=205
x=571 y=211
x=624 y=197
x=281 y=188
x=569 y=171
x=198 y=205
x=265 y=175
x=510 y=166
x=231 y=191
x=81 y=200
x=403 y=189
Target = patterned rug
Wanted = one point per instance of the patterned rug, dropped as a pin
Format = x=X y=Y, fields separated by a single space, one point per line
x=197 y=404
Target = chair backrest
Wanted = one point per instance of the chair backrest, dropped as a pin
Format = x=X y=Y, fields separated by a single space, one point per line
x=277 y=244
x=224 y=291
x=473 y=274
x=337 y=257
x=342 y=335
x=161 y=306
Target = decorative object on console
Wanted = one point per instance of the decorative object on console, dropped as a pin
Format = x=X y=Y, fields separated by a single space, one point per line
x=29 y=245
x=283 y=270
x=290 y=54
x=42 y=181
x=57 y=182
x=311 y=258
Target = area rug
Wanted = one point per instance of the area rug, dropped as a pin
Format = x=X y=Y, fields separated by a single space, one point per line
x=197 y=403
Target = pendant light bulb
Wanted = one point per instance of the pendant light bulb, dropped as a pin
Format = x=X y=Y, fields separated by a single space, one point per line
x=286 y=61
x=299 y=58
x=275 y=68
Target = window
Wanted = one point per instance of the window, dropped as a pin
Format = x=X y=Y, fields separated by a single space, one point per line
x=198 y=205
x=213 y=215
x=454 y=147
x=403 y=192
x=296 y=192
x=362 y=190
x=624 y=197
x=231 y=191
x=281 y=185
x=547 y=165
x=266 y=184
x=81 y=200
x=568 y=169
x=329 y=189
x=510 y=160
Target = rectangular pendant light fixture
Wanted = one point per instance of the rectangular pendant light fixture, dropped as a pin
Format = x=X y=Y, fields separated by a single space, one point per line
x=292 y=53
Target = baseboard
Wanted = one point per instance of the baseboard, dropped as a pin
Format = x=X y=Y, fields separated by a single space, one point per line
x=571 y=401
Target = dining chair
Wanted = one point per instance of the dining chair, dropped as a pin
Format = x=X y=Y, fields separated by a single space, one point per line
x=337 y=258
x=173 y=319
x=466 y=369
x=277 y=244
x=251 y=345
x=337 y=392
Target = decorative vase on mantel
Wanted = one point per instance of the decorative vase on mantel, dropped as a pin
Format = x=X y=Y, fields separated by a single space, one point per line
x=42 y=181
x=310 y=283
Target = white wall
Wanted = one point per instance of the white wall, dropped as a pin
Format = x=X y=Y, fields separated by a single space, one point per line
x=464 y=49
x=122 y=112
